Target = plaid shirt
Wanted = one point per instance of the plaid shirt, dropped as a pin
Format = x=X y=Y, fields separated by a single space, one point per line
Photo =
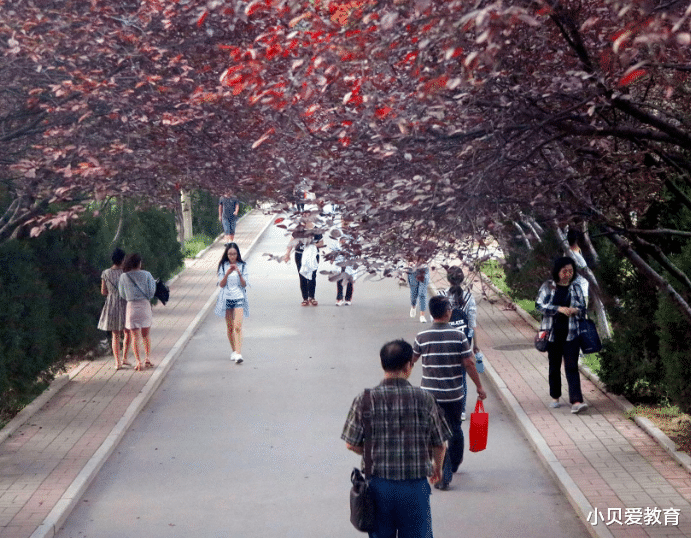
x=544 y=304
x=406 y=424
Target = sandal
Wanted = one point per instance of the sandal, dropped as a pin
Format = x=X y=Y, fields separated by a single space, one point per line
x=148 y=364
x=305 y=303
x=138 y=367
x=313 y=302
x=126 y=363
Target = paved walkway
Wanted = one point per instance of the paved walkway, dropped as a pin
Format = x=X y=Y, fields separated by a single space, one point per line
x=620 y=480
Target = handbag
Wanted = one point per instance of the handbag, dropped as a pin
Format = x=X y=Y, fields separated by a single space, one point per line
x=162 y=292
x=542 y=340
x=479 y=424
x=362 y=514
x=588 y=339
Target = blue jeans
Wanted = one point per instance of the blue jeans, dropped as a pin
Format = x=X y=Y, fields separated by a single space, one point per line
x=454 y=453
x=418 y=290
x=402 y=506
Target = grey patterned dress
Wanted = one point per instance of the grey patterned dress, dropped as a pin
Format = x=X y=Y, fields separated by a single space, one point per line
x=113 y=313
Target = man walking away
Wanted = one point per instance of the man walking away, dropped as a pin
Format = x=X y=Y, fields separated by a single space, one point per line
x=407 y=428
x=446 y=355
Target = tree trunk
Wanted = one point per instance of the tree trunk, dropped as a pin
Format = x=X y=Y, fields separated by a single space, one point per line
x=650 y=273
x=186 y=205
x=121 y=220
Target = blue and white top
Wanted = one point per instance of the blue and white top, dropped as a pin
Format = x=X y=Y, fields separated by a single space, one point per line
x=232 y=290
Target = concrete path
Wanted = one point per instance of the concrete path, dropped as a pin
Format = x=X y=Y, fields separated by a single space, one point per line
x=254 y=449
x=250 y=450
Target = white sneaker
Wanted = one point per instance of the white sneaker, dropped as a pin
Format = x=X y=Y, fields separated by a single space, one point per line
x=577 y=408
x=348 y=303
x=233 y=356
x=412 y=311
x=238 y=358
x=339 y=302
x=423 y=319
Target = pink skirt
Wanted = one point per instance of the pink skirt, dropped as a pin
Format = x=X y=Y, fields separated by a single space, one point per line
x=138 y=314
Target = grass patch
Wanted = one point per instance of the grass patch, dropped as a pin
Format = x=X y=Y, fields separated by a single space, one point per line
x=195 y=245
x=495 y=272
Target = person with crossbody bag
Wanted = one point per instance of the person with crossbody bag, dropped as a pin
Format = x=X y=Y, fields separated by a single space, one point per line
x=402 y=459
x=137 y=287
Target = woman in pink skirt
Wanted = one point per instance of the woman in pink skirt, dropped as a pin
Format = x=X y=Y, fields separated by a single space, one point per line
x=137 y=287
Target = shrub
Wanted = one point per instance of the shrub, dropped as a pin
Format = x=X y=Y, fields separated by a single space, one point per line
x=28 y=340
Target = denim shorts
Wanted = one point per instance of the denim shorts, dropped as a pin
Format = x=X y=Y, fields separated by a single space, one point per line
x=234 y=303
x=229 y=226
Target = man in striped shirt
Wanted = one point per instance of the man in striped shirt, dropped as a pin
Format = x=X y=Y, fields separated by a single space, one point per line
x=446 y=354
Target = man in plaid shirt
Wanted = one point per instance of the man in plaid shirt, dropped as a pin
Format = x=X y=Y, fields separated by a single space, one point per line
x=407 y=427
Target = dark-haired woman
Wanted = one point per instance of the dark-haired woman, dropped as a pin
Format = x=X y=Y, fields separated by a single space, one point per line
x=463 y=299
x=232 y=298
x=113 y=314
x=561 y=302
x=137 y=287
x=306 y=245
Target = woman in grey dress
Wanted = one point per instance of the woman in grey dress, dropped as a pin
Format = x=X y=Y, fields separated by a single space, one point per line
x=113 y=314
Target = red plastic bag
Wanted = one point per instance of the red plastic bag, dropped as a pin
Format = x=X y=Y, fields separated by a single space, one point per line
x=479 y=424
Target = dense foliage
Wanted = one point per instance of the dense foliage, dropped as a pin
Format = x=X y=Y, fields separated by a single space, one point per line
x=50 y=290
x=437 y=125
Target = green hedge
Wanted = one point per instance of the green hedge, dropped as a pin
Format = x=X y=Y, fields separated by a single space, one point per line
x=50 y=290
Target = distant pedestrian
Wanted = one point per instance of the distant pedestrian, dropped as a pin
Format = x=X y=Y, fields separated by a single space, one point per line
x=228 y=208
x=347 y=277
x=232 y=298
x=418 y=280
x=464 y=300
x=113 y=313
x=407 y=440
x=446 y=357
x=306 y=243
x=561 y=302
x=137 y=287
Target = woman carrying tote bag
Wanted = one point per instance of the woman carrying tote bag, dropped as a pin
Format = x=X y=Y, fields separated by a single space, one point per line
x=561 y=302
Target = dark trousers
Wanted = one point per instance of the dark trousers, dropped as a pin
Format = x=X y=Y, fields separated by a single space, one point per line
x=557 y=350
x=454 y=453
x=308 y=286
x=339 y=290
x=402 y=508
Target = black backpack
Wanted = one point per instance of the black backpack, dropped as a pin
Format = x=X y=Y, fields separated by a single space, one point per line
x=459 y=318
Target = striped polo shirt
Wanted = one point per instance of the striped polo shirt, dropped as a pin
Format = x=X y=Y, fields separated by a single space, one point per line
x=443 y=349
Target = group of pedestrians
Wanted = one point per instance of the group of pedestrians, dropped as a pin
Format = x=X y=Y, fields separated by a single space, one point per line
x=127 y=312
x=415 y=434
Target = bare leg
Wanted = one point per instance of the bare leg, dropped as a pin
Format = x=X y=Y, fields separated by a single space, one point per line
x=134 y=335
x=115 y=345
x=229 y=328
x=126 y=347
x=146 y=337
x=237 y=330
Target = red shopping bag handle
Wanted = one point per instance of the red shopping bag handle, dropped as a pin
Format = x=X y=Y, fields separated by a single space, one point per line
x=479 y=407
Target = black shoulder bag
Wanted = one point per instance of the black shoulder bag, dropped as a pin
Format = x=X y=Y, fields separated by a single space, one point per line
x=361 y=497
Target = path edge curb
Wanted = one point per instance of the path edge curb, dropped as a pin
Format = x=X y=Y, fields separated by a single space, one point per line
x=64 y=507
